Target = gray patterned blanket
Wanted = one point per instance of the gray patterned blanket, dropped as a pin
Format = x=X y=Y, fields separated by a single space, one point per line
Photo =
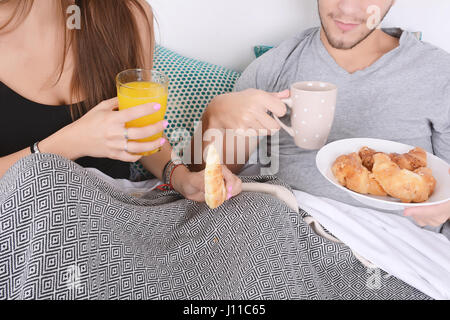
x=66 y=234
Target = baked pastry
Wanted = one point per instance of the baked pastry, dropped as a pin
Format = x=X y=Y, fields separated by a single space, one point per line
x=351 y=173
x=366 y=155
x=406 y=185
x=402 y=176
x=215 y=191
x=413 y=160
x=427 y=174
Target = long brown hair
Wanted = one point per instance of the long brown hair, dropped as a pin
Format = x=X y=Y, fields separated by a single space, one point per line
x=107 y=43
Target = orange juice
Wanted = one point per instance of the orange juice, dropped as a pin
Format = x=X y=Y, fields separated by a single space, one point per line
x=136 y=93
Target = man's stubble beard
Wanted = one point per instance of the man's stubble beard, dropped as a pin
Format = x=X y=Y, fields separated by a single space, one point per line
x=340 y=45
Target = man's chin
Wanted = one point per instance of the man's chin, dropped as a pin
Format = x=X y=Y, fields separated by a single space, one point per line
x=347 y=40
x=341 y=44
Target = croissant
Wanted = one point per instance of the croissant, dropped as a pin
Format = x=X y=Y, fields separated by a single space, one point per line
x=351 y=173
x=366 y=155
x=413 y=160
x=215 y=191
x=427 y=175
x=408 y=186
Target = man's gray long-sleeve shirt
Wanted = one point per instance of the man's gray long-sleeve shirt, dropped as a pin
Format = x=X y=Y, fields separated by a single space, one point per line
x=403 y=97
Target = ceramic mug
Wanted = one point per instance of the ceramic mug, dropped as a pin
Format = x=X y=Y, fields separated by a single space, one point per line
x=313 y=105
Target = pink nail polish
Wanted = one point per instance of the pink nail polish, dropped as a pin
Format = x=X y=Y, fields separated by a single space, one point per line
x=162 y=141
x=165 y=124
x=157 y=106
x=230 y=189
x=229 y=196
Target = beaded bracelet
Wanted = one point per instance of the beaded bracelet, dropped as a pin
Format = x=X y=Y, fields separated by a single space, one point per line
x=169 y=169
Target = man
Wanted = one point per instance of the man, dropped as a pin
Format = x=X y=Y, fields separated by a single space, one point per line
x=391 y=86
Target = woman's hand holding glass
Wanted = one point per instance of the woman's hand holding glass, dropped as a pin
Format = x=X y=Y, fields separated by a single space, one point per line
x=101 y=133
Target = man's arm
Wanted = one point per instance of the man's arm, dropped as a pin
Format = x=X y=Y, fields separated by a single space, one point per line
x=244 y=114
x=235 y=121
x=232 y=153
x=439 y=214
x=441 y=129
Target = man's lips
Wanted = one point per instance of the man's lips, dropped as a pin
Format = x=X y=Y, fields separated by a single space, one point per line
x=345 y=26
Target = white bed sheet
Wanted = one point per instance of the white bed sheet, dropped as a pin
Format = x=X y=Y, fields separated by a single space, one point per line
x=393 y=243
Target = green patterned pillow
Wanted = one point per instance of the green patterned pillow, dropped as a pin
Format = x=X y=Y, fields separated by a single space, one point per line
x=260 y=50
x=193 y=84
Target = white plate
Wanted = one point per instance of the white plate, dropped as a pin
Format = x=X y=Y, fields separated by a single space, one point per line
x=328 y=155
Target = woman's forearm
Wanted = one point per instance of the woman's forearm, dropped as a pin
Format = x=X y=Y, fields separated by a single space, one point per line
x=61 y=143
x=156 y=162
x=9 y=160
x=64 y=143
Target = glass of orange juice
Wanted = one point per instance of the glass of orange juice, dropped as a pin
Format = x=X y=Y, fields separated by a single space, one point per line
x=138 y=86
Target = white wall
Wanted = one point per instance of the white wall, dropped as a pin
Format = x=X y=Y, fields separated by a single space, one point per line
x=224 y=31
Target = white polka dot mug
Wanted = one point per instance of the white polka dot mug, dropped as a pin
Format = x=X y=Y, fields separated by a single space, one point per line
x=313 y=105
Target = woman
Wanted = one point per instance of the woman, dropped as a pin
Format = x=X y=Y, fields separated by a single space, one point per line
x=57 y=88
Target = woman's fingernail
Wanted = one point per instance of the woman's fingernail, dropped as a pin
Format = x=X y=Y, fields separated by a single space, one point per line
x=230 y=189
x=229 y=196
x=165 y=124
x=162 y=141
x=157 y=106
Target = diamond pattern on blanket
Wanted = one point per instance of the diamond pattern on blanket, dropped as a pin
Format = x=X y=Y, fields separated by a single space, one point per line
x=66 y=234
